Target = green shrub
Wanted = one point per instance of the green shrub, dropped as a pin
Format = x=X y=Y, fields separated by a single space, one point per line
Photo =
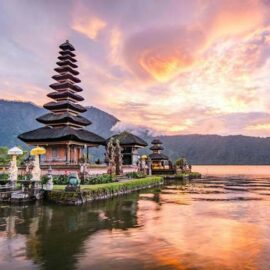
x=26 y=177
x=135 y=175
x=3 y=177
x=99 y=179
x=181 y=162
x=44 y=179
x=60 y=179
x=190 y=175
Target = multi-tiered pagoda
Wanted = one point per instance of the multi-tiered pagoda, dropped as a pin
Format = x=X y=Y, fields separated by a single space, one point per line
x=64 y=136
x=159 y=160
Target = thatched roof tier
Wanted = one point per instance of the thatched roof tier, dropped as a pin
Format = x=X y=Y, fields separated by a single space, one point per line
x=69 y=53
x=125 y=138
x=64 y=105
x=66 y=46
x=52 y=118
x=66 y=76
x=66 y=63
x=65 y=95
x=156 y=141
x=58 y=134
x=66 y=86
x=67 y=57
x=156 y=148
x=157 y=156
x=65 y=69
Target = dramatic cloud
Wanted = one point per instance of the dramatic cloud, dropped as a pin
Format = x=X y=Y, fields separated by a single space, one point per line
x=90 y=27
x=162 y=67
x=163 y=53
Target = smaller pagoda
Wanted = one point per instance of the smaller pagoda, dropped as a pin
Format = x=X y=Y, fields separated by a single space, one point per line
x=64 y=135
x=159 y=160
x=130 y=145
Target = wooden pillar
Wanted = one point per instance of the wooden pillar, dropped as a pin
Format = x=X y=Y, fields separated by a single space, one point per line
x=78 y=153
x=68 y=154
x=71 y=153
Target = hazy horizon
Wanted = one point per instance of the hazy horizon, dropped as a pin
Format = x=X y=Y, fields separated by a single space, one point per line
x=138 y=130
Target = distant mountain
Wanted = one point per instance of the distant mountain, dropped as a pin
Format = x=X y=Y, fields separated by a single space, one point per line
x=17 y=117
x=214 y=149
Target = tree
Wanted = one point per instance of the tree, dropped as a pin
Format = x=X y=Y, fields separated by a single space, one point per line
x=4 y=157
x=181 y=163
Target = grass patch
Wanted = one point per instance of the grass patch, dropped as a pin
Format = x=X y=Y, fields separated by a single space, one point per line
x=101 y=191
x=190 y=175
x=129 y=184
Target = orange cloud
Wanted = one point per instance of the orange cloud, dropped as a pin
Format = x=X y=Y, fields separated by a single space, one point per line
x=90 y=27
x=231 y=18
x=161 y=54
x=165 y=64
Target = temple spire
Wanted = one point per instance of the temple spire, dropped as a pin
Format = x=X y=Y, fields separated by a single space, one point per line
x=65 y=109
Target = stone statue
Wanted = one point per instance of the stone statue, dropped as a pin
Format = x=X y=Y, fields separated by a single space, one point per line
x=110 y=156
x=13 y=169
x=36 y=172
x=118 y=158
x=49 y=185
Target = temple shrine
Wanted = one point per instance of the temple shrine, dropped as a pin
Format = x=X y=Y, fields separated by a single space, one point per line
x=130 y=145
x=160 y=162
x=64 y=135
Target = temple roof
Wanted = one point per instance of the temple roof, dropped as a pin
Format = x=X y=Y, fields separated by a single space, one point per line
x=52 y=118
x=66 y=63
x=156 y=156
x=65 y=85
x=66 y=46
x=126 y=138
x=64 y=53
x=47 y=134
x=156 y=141
x=65 y=69
x=156 y=147
x=64 y=105
x=66 y=76
x=65 y=94
x=67 y=57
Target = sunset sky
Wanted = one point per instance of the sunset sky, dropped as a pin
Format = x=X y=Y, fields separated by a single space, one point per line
x=173 y=66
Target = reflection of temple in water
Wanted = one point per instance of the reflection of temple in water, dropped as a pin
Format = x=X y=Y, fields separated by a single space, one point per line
x=54 y=236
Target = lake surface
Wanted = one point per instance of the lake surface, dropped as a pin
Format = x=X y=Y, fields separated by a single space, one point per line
x=213 y=223
x=256 y=170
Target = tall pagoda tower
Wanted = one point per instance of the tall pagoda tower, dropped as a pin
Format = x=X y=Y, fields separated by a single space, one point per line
x=63 y=135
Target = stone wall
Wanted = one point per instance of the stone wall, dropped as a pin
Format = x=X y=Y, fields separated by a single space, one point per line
x=104 y=191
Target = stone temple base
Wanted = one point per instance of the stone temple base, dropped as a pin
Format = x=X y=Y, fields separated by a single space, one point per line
x=20 y=196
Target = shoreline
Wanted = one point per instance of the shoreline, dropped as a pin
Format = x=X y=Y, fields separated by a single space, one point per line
x=102 y=191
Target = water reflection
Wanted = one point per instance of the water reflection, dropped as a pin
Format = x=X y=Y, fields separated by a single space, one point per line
x=206 y=224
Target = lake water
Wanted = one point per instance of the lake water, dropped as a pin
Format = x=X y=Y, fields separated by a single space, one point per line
x=220 y=222
x=258 y=170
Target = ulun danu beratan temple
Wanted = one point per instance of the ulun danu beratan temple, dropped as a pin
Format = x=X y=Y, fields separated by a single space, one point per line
x=64 y=135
